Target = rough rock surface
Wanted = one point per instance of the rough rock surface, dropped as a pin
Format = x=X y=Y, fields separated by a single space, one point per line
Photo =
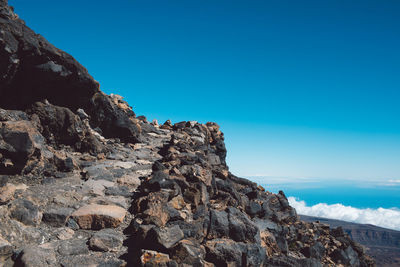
x=32 y=70
x=86 y=183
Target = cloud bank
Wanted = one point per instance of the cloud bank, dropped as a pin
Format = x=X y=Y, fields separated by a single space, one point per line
x=387 y=218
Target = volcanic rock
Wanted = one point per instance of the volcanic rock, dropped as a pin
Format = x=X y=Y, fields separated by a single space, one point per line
x=20 y=142
x=95 y=216
x=6 y=251
x=164 y=193
x=37 y=257
x=57 y=217
x=25 y=211
x=106 y=240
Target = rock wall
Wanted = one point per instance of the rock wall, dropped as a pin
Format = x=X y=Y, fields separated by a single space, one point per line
x=86 y=183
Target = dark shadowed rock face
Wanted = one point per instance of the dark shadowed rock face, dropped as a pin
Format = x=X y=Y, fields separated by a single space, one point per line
x=32 y=69
x=84 y=182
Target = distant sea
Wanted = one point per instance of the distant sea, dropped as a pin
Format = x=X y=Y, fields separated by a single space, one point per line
x=356 y=193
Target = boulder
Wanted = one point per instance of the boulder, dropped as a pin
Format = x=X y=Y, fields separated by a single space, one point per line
x=73 y=247
x=253 y=208
x=130 y=180
x=25 y=211
x=7 y=193
x=112 y=119
x=61 y=126
x=22 y=143
x=37 y=257
x=315 y=251
x=225 y=251
x=6 y=251
x=164 y=238
x=189 y=252
x=57 y=217
x=106 y=240
x=118 y=191
x=219 y=224
x=154 y=258
x=241 y=228
x=346 y=256
x=94 y=216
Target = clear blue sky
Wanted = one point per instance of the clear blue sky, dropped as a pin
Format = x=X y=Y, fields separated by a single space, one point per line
x=300 y=88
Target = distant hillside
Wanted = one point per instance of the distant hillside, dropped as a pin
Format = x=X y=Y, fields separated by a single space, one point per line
x=381 y=243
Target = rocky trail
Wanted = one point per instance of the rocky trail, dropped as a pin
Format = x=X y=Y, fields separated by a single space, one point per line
x=65 y=217
x=86 y=182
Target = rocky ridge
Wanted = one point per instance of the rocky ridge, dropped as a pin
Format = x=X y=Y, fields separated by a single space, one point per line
x=84 y=182
x=382 y=244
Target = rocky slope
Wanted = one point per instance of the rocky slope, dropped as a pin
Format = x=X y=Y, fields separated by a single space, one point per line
x=381 y=243
x=84 y=182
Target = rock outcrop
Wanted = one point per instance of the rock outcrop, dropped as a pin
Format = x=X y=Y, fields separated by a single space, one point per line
x=84 y=182
x=33 y=70
x=382 y=244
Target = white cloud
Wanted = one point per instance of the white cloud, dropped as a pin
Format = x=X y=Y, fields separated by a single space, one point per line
x=387 y=218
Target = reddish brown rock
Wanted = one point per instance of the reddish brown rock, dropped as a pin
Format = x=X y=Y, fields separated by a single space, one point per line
x=19 y=140
x=154 y=258
x=96 y=216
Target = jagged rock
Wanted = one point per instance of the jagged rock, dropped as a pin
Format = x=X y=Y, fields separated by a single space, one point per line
x=21 y=142
x=112 y=120
x=96 y=187
x=167 y=125
x=241 y=228
x=219 y=224
x=37 y=257
x=7 y=193
x=25 y=211
x=152 y=210
x=118 y=191
x=253 y=208
x=6 y=251
x=112 y=263
x=90 y=261
x=282 y=244
x=74 y=247
x=57 y=217
x=154 y=258
x=95 y=216
x=166 y=237
x=61 y=126
x=64 y=233
x=13 y=115
x=130 y=180
x=189 y=252
x=347 y=257
x=226 y=251
x=32 y=70
x=165 y=190
x=178 y=202
x=315 y=251
x=106 y=240
x=292 y=262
